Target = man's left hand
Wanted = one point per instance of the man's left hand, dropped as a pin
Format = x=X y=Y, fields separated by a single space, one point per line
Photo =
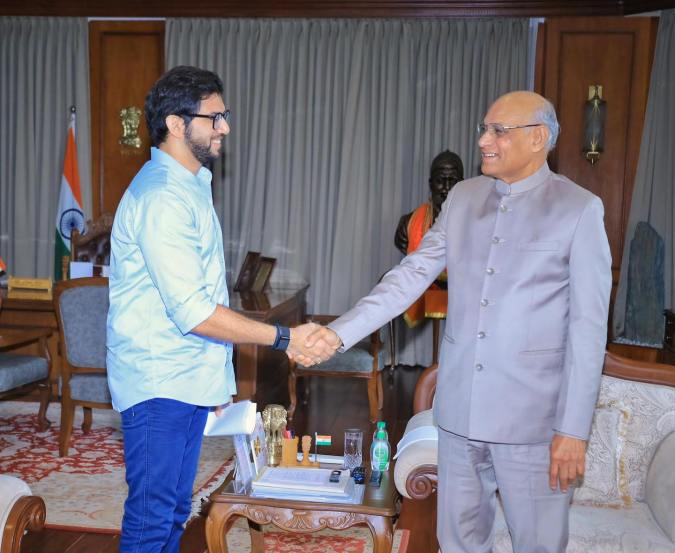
x=568 y=460
x=220 y=409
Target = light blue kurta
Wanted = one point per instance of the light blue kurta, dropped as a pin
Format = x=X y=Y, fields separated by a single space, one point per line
x=167 y=274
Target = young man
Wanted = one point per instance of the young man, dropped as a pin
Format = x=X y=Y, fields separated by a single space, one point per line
x=529 y=275
x=170 y=332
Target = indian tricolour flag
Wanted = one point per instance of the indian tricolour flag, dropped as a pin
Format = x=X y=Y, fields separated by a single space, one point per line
x=322 y=439
x=70 y=215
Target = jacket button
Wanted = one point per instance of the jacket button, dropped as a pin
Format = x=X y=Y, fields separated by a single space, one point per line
x=484 y=302
x=481 y=335
x=479 y=367
x=495 y=240
x=490 y=271
x=503 y=208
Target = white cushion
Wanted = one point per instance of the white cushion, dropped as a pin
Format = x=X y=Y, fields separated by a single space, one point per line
x=603 y=530
x=652 y=418
x=605 y=445
x=660 y=489
x=11 y=489
x=418 y=446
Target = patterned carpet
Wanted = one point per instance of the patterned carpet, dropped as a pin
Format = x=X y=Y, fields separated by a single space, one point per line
x=86 y=490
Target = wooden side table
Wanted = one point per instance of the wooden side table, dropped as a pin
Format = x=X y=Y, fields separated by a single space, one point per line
x=376 y=511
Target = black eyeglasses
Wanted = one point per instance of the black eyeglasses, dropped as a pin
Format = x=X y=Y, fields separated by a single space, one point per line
x=217 y=118
x=498 y=129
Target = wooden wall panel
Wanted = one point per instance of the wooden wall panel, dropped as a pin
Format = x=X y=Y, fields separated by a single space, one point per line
x=126 y=58
x=330 y=8
x=616 y=53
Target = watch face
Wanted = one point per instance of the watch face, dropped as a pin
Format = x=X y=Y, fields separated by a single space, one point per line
x=71 y=219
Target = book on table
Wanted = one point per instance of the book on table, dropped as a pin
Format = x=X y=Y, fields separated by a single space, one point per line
x=303 y=481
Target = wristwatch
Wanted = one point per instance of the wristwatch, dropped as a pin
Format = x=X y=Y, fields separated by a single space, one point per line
x=282 y=339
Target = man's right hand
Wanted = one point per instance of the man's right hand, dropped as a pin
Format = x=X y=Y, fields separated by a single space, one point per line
x=308 y=346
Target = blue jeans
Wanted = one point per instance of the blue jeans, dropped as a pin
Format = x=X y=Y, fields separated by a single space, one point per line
x=162 y=440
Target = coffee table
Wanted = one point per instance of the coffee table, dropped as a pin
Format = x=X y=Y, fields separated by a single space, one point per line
x=376 y=511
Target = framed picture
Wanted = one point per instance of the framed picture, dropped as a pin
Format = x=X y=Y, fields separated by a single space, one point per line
x=245 y=467
x=248 y=272
x=262 y=275
x=258 y=446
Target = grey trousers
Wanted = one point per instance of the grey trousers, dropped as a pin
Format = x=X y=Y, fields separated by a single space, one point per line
x=469 y=475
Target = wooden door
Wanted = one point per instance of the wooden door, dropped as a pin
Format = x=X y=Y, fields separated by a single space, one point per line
x=126 y=58
x=615 y=52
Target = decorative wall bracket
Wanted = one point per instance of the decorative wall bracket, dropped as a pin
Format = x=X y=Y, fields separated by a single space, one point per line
x=595 y=112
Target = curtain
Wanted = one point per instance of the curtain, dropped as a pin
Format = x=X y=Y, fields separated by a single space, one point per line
x=653 y=204
x=44 y=69
x=334 y=126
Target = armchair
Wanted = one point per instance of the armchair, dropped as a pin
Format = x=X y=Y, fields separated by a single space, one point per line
x=22 y=373
x=364 y=360
x=93 y=245
x=19 y=511
x=626 y=502
x=81 y=307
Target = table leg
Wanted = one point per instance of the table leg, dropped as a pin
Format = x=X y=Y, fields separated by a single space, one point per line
x=383 y=533
x=217 y=525
x=257 y=537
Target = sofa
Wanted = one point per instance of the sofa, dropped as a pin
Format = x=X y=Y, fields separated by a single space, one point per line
x=626 y=502
x=19 y=511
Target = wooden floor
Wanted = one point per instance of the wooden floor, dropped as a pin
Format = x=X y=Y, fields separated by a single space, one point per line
x=333 y=405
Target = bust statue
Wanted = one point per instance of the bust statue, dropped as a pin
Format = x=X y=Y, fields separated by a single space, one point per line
x=446 y=171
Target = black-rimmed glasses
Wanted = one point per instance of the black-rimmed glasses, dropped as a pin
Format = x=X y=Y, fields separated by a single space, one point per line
x=217 y=118
x=498 y=129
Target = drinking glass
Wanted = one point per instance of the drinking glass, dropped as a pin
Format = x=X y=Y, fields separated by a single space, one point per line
x=353 y=456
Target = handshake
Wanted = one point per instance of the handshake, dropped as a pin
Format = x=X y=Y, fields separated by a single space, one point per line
x=312 y=344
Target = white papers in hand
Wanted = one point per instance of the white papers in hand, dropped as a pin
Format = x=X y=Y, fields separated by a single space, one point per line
x=237 y=418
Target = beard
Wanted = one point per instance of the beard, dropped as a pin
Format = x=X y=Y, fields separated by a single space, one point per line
x=202 y=152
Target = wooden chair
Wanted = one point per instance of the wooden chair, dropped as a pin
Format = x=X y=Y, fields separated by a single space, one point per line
x=364 y=360
x=20 y=374
x=93 y=245
x=81 y=307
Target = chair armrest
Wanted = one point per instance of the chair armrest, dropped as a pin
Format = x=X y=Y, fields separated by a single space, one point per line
x=422 y=481
x=19 y=511
x=417 y=457
x=660 y=488
x=28 y=513
x=425 y=389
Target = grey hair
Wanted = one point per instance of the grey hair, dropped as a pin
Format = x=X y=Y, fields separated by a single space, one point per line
x=546 y=116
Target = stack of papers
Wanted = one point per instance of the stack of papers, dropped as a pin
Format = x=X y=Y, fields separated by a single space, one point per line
x=306 y=484
x=236 y=418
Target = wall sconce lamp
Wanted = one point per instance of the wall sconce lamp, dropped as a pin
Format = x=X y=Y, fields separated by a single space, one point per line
x=595 y=111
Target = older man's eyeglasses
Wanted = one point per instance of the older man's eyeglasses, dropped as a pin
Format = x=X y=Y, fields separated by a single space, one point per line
x=498 y=130
x=217 y=118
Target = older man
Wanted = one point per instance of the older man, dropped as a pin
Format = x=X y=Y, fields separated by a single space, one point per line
x=529 y=273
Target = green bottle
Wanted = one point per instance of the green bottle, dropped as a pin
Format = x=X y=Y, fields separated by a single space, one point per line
x=380 y=450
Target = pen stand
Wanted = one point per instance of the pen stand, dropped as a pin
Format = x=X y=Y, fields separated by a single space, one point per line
x=289 y=452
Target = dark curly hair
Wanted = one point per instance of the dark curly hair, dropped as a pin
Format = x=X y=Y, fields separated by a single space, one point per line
x=178 y=92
